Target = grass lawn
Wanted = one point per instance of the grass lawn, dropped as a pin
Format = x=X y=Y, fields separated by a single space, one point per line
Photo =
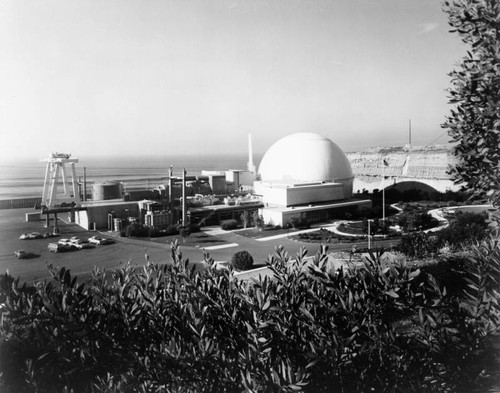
x=255 y=233
x=197 y=239
x=323 y=236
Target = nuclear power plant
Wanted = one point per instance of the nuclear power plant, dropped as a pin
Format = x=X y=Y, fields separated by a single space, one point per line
x=302 y=175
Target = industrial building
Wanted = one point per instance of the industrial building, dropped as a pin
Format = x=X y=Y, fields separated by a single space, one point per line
x=306 y=175
x=302 y=174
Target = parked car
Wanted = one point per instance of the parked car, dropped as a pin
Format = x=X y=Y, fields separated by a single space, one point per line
x=98 y=240
x=32 y=235
x=84 y=245
x=59 y=247
x=64 y=241
x=77 y=240
x=55 y=247
x=21 y=254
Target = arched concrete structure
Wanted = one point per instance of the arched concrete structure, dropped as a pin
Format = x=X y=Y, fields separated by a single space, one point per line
x=411 y=185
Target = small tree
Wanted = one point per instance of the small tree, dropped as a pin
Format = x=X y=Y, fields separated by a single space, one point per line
x=295 y=221
x=245 y=218
x=242 y=260
x=184 y=232
x=258 y=220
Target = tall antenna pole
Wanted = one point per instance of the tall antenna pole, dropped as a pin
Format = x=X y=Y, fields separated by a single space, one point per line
x=171 y=193
x=409 y=131
x=84 y=183
x=184 y=201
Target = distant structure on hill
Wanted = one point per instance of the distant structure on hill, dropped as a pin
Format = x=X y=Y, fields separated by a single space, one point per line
x=427 y=165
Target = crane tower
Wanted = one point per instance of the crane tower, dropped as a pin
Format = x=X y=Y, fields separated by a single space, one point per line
x=56 y=173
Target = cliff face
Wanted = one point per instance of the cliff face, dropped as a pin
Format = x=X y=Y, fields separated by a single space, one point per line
x=409 y=163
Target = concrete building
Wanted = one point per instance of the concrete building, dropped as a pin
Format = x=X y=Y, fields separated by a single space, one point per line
x=100 y=214
x=307 y=175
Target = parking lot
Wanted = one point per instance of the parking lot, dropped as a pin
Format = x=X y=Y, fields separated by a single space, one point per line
x=122 y=250
x=81 y=262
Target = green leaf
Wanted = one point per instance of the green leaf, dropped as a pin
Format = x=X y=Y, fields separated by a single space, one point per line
x=392 y=294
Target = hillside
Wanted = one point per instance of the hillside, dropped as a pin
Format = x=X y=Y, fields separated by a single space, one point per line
x=428 y=164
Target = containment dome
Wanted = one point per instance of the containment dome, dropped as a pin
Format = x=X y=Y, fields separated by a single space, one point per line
x=305 y=157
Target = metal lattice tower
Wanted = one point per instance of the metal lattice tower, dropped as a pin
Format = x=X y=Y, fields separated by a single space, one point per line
x=54 y=174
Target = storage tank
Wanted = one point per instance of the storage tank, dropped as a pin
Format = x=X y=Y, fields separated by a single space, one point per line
x=106 y=190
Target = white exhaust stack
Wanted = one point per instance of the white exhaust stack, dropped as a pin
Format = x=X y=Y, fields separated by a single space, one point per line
x=250 y=164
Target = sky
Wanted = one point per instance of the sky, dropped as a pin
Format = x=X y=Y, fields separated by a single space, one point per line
x=160 y=77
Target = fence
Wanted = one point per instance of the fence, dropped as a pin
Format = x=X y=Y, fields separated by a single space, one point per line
x=20 y=203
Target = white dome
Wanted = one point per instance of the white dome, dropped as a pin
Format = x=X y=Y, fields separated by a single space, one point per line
x=305 y=157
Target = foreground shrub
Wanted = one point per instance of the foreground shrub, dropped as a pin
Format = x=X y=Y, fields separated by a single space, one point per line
x=309 y=328
x=464 y=228
x=418 y=245
x=242 y=260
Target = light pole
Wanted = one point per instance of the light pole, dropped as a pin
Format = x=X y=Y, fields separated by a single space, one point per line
x=383 y=189
x=369 y=235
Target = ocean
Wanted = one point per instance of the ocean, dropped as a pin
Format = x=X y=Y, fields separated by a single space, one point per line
x=24 y=177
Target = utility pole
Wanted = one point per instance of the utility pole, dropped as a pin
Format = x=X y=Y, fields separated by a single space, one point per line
x=409 y=132
x=171 y=194
x=383 y=188
x=84 y=183
x=369 y=234
x=184 y=200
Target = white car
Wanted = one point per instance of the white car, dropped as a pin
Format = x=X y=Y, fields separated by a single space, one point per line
x=65 y=241
x=98 y=240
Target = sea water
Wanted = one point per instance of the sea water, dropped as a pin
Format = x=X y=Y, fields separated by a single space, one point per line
x=25 y=177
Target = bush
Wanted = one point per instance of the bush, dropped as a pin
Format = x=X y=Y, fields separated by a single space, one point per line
x=193 y=228
x=413 y=220
x=464 y=229
x=171 y=230
x=153 y=232
x=184 y=231
x=300 y=221
x=242 y=260
x=137 y=230
x=376 y=328
x=228 y=225
x=418 y=245
x=449 y=272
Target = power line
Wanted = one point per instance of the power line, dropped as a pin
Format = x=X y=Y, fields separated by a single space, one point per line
x=445 y=132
